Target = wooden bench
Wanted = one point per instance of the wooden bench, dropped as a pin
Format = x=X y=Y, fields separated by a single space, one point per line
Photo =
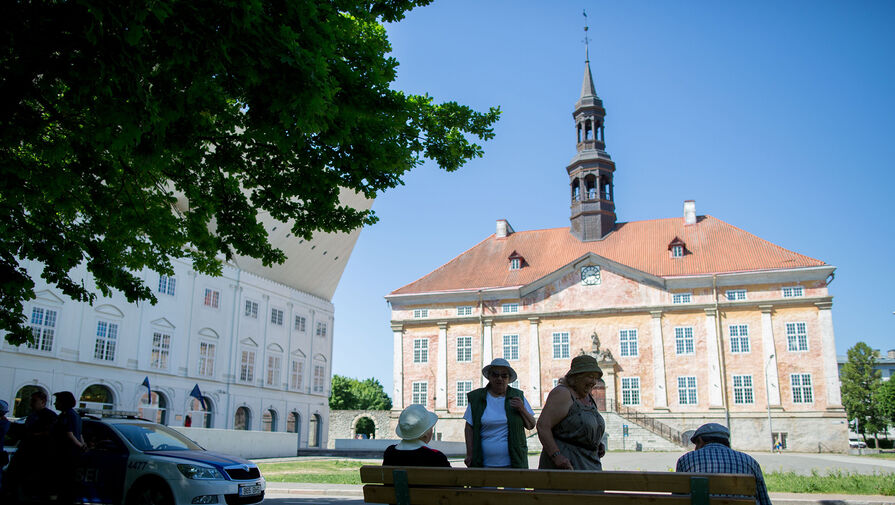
x=480 y=486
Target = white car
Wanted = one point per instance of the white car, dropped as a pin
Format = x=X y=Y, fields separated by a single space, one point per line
x=857 y=444
x=136 y=462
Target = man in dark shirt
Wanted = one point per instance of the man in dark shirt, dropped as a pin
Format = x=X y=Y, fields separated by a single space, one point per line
x=415 y=427
x=29 y=464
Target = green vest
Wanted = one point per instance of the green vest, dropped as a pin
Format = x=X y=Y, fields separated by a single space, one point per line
x=516 y=443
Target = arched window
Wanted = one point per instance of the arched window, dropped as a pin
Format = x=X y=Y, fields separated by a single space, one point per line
x=590 y=183
x=269 y=420
x=588 y=129
x=201 y=417
x=154 y=408
x=314 y=431
x=576 y=191
x=243 y=419
x=293 y=422
x=97 y=396
x=23 y=400
x=365 y=428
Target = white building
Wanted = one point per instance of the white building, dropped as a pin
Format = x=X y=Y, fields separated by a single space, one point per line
x=257 y=341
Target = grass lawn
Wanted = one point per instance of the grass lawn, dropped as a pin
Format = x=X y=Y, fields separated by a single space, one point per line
x=885 y=455
x=345 y=471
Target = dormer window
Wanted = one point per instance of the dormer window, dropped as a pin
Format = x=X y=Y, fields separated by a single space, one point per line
x=516 y=261
x=677 y=248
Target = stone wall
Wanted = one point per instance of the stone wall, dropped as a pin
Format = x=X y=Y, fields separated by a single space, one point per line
x=342 y=424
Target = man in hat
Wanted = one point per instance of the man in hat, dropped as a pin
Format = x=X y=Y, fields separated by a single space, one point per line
x=714 y=455
x=415 y=427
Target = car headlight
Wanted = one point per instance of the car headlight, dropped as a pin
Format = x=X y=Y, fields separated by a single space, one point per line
x=199 y=472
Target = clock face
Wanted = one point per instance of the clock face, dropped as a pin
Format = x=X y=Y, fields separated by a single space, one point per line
x=590 y=275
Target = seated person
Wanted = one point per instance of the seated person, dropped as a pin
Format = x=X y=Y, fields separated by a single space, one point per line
x=415 y=427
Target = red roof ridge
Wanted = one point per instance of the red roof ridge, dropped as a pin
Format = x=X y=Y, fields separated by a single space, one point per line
x=455 y=258
x=822 y=262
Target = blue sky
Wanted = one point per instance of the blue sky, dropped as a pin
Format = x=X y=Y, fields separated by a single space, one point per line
x=774 y=117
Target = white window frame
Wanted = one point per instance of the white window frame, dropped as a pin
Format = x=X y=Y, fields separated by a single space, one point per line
x=463 y=387
x=251 y=309
x=464 y=349
x=419 y=393
x=677 y=251
x=560 y=344
x=687 y=390
x=160 y=356
x=43 y=328
x=684 y=335
x=274 y=369
x=627 y=339
x=511 y=347
x=802 y=393
x=296 y=374
x=212 y=298
x=421 y=350
x=739 y=338
x=735 y=295
x=797 y=336
x=464 y=310
x=205 y=366
x=793 y=291
x=247 y=366
x=319 y=385
x=681 y=298
x=420 y=313
x=321 y=329
x=515 y=264
x=277 y=316
x=743 y=393
x=300 y=323
x=167 y=284
x=630 y=387
x=509 y=308
x=106 y=340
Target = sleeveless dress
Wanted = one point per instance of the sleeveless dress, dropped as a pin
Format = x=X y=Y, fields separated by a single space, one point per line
x=578 y=437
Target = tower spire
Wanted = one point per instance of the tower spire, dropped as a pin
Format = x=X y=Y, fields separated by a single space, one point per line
x=586 y=40
x=587 y=87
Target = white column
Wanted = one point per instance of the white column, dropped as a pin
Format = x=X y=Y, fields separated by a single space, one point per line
x=441 y=372
x=661 y=395
x=534 y=363
x=712 y=355
x=486 y=346
x=768 y=348
x=398 y=367
x=828 y=351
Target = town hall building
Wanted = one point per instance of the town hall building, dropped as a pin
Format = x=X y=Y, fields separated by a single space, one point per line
x=693 y=319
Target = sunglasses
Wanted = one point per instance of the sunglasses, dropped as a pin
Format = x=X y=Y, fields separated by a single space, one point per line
x=500 y=375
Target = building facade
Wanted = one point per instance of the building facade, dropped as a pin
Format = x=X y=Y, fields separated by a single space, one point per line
x=695 y=320
x=256 y=341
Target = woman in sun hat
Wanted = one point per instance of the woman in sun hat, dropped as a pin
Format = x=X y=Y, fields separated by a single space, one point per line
x=570 y=427
x=415 y=427
x=497 y=416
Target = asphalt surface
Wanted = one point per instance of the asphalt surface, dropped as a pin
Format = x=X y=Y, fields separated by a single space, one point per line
x=344 y=494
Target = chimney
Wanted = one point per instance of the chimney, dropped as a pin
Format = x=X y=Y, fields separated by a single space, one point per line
x=891 y=353
x=689 y=211
x=503 y=228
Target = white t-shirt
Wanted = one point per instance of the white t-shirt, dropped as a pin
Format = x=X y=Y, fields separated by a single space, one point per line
x=495 y=451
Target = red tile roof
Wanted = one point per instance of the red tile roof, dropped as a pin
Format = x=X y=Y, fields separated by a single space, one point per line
x=712 y=247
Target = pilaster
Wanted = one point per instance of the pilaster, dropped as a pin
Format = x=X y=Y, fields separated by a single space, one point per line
x=534 y=363
x=828 y=351
x=398 y=367
x=712 y=359
x=486 y=346
x=441 y=368
x=768 y=348
x=660 y=395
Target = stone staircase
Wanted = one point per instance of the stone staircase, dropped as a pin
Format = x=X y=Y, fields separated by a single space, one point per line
x=639 y=438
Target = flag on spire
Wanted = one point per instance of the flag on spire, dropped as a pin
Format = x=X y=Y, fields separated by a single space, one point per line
x=195 y=393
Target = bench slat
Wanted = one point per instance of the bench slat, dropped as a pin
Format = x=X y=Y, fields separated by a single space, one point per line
x=561 y=479
x=438 y=496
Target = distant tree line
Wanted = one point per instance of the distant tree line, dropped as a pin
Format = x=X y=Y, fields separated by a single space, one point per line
x=868 y=400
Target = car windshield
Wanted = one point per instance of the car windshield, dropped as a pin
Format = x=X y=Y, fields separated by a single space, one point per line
x=155 y=437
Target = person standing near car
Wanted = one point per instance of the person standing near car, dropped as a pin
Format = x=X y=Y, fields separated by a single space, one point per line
x=4 y=429
x=69 y=444
x=25 y=473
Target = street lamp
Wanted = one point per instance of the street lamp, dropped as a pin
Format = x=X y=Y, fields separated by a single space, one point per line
x=767 y=396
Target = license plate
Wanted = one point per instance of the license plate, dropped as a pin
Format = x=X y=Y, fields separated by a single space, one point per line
x=250 y=489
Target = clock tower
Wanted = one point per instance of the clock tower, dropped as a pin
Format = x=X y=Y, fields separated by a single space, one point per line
x=591 y=170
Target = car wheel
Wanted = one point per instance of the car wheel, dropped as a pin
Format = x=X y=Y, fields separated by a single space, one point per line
x=150 y=493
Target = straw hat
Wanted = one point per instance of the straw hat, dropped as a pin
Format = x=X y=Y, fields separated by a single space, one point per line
x=414 y=421
x=502 y=363
x=583 y=364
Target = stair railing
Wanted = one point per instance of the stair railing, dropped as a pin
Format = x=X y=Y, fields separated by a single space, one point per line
x=652 y=424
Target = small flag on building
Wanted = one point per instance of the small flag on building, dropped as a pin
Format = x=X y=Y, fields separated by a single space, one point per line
x=148 y=390
x=195 y=393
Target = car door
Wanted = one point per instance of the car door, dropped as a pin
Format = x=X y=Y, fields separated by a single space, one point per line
x=104 y=464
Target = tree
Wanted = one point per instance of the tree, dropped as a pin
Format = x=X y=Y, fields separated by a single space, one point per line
x=353 y=394
x=134 y=132
x=860 y=382
x=886 y=400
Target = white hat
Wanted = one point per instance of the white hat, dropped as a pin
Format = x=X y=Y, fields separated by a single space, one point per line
x=502 y=363
x=414 y=421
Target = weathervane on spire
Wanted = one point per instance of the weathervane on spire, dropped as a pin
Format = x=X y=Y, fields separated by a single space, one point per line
x=586 y=39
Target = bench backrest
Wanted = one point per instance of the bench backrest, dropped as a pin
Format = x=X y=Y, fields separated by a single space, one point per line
x=474 y=486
